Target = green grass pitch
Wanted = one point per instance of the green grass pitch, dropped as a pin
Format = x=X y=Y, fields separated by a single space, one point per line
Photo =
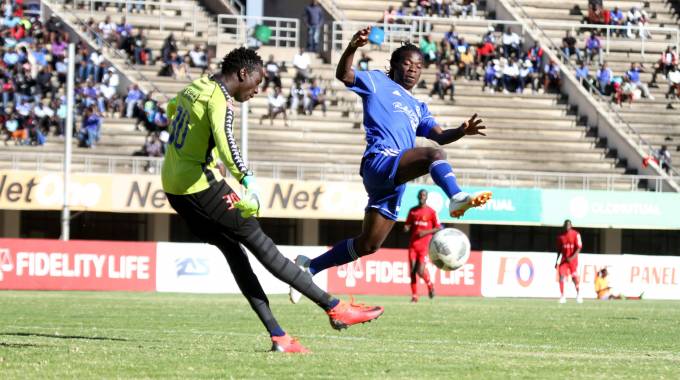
x=83 y=335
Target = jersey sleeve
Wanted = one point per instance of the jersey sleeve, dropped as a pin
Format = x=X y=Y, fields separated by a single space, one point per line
x=365 y=82
x=221 y=116
x=427 y=121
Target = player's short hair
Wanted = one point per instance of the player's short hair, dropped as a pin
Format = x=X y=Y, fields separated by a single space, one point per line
x=241 y=58
x=422 y=191
x=398 y=56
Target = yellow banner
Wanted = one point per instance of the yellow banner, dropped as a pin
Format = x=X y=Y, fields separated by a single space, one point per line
x=21 y=190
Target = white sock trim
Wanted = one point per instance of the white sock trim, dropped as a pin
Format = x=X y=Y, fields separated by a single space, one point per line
x=350 y=249
x=438 y=162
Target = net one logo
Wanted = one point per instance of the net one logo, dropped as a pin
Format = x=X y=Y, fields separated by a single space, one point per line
x=6 y=264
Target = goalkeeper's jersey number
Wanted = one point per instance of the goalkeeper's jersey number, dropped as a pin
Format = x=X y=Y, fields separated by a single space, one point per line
x=179 y=128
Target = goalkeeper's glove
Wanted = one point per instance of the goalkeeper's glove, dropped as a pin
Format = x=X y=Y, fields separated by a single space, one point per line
x=250 y=204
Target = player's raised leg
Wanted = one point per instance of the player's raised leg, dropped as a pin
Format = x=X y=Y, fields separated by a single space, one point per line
x=417 y=162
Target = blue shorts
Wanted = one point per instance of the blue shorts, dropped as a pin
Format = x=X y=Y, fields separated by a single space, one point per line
x=379 y=171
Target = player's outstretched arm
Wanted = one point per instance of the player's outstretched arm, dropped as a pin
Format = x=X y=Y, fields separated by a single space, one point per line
x=471 y=127
x=344 y=71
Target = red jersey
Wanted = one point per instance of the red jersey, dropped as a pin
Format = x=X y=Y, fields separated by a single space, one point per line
x=421 y=219
x=568 y=243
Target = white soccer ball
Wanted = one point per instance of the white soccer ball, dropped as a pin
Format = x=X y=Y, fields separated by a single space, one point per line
x=449 y=249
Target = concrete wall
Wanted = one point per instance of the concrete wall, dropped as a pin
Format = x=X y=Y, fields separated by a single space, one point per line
x=10 y=223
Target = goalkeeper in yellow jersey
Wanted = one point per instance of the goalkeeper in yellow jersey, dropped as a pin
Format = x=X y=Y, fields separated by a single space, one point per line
x=201 y=130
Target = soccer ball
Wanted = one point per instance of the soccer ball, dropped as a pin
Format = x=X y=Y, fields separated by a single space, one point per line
x=449 y=249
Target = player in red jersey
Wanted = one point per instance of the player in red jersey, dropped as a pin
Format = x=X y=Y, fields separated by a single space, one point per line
x=568 y=247
x=422 y=222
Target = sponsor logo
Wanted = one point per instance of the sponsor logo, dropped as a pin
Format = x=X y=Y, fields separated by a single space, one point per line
x=351 y=272
x=412 y=117
x=6 y=264
x=192 y=267
x=523 y=270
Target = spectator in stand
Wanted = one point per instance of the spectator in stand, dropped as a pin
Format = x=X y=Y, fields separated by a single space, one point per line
x=663 y=156
x=142 y=54
x=317 y=96
x=466 y=65
x=276 y=103
x=451 y=37
x=153 y=146
x=460 y=49
x=298 y=99
x=593 y=47
x=595 y=14
x=511 y=43
x=175 y=66
x=489 y=77
x=198 y=58
x=363 y=62
x=468 y=7
x=388 y=15
x=528 y=75
x=623 y=89
x=443 y=83
x=604 y=79
x=301 y=62
x=551 y=77
x=89 y=131
x=583 y=75
x=96 y=62
x=511 y=76
x=314 y=19
x=44 y=84
x=124 y=36
x=109 y=101
x=637 y=20
x=485 y=52
x=617 y=19
x=569 y=47
x=108 y=30
x=271 y=73
x=634 y=76
x=133 y=100
x=668 y=59
x=673 y=83
x=429 y=49
x=169 y=47
x=535 y=55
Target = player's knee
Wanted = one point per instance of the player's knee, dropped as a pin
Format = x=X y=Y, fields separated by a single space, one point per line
x=366 y=247
x=436 y=154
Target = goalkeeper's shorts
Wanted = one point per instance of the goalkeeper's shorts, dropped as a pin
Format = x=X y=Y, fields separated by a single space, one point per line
x=211 y=213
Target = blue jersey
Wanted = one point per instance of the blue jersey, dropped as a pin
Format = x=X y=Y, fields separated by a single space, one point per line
x=392 y=116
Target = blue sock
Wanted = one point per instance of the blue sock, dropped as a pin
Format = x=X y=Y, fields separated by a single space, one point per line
x=334 y=303
x=277 y=331
x=342 y=253
x=442 y=175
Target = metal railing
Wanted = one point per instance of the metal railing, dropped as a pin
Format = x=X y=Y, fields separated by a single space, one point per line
x=238 y=6
x=48 y=6
x=97 y=164
x=642 y=144
x=235 y=29
x=574 y=27
x=179 y=15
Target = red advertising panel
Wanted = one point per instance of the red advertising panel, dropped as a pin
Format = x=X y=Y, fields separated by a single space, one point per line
x=36 y=264
x=386 y=272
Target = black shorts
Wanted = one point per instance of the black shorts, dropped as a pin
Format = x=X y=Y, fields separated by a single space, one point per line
x=211 y=214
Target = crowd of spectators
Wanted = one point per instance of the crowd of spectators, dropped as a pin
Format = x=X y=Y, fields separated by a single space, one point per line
x=430 y=8
x=632 y=24
x=500 y=62
x=305 y=95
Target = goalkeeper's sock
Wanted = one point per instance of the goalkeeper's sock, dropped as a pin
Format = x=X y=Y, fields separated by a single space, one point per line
x=277 y=331
x=442 y=174
x=341 y=253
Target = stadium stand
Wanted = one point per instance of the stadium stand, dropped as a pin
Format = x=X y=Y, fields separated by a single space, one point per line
x=654 y=117
x=535 y=132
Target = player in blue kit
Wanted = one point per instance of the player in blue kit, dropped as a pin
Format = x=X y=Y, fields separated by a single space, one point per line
x=392 y=120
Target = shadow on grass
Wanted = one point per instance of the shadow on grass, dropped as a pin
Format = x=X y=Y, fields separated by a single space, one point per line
x=63 y=336
x=17 y=345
